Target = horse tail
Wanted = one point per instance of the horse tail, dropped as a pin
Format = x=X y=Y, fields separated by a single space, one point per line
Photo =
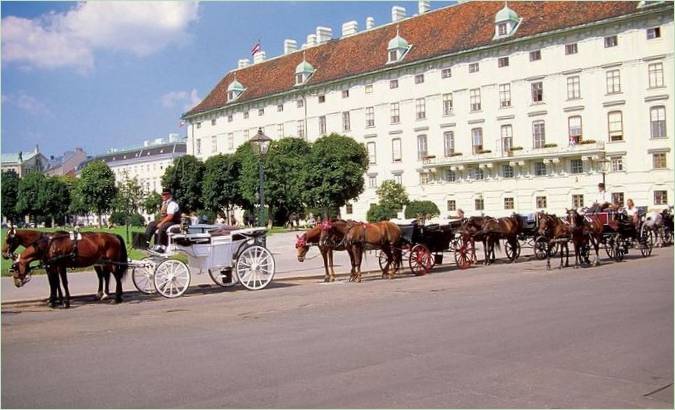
x=123 y=258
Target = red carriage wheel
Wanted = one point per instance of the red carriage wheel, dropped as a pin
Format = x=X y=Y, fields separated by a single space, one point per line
x=464 y=254
x=420 y=260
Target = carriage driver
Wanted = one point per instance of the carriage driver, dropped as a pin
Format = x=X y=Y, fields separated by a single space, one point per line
x=169 y=215
x=603 y=200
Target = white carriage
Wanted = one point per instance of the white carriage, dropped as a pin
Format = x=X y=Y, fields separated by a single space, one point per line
x=229 y=257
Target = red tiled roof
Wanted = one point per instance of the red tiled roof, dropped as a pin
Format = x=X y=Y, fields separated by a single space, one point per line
x=444 y=31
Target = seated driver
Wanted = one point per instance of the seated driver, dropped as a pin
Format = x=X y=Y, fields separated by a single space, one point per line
x=603 y=200
x=169 y=215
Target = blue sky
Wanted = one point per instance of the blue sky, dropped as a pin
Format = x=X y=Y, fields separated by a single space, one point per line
x=112 y=74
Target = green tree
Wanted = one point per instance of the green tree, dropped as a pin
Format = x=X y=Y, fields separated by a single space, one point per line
x=129 y=198
x=416 y=208
x=152 y=202
x=10 y=195
x=392 y=195
x=284 y=184
x=249 y=178
x=334 y=172
x=55 y=197
x=31 y=197
x=77 y=205
x=220 y=191
x=185 y=178
x=379 y=212
x=96 y=189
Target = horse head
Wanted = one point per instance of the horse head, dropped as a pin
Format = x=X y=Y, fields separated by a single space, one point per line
x=301 y=246
x=21 y=268
x=545 y=224
x=11 y=243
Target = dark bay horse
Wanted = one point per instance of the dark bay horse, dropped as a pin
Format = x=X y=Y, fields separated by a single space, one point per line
x=59 y=252
x=383 y=235
x=554 y=230
x=587 y=230
x=312 y=237
x=471 y=231
x=495 y=229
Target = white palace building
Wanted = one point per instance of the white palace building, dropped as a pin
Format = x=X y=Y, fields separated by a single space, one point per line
x=485 y=106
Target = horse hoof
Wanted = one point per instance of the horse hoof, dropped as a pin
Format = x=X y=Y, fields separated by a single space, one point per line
x=52 y=305
x=66 y=305
x=117 y=301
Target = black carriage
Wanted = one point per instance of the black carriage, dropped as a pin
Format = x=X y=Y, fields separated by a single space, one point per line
x=620 y=234
x=423 y=246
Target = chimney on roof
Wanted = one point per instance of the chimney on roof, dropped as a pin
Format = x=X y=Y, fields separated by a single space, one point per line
x=311 y=40
x=37 y=148
x=423 y=6
x=244 y=62
x=290 y=46
x=258 y=57
x=146 y=143
x=370 y=23
x=397 y=13
x=323 y=34
x=349 y=28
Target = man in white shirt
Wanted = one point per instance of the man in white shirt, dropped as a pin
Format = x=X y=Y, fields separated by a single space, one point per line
x=603 y=199
x=169 y=215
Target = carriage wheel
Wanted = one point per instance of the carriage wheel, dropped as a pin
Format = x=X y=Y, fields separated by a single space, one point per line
x=382 y=260
x=619 y=249
x=142 y=275
x=255 y=267
x=585 y=253
x=554 y=249
x=666 y=237
x=646 y=241
x=464 y=254
x=540 y=248
x=512 y=251
x=420 y=260
x=172 y=278
x=222 y=277
x=609 y=246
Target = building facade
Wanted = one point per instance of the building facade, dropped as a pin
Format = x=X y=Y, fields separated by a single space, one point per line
x=481 y=106
x=24 y=162
x=67 y=163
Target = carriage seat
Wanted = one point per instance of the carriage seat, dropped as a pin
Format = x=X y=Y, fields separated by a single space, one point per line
x=528 y=221
x=223 y=230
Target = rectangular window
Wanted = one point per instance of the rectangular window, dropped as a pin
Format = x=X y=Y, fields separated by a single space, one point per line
x=420 y=109
x=507 y=171
x=541 y=202
x=449 y=143
x=280 y=107
x=372 y=156
x=213 y=121
x=447 y=104
x=613 y=82
x=576 y=166
x=538 y=134
x=659 y=160
x=419 y=78
x=574 y=129
x=421 y=147
x=300 y=103
x=504 y=95
x=393 y=84
x=346 y=121
x=230 y=141
x=280 y=130
x=508 y=203
x=479 y=204
x=230 y=118
x=199 y=125
x=474 y=68
x=450 y=176
x=535 y=55
x=657 y=119
x=617 y=198
x=395 y=113
x=539 y=169
x=503 y=62
x=370 y=117
x=245 y=114
x=452 y=205
x=214 y=144
x=372 y=181
x=617 y=164
x=506 y=137
x=571 y=48
x=654 y=32
x=349 y=209
x=396 y=150
x=345 y=93
x=660 y=197
x=398 y=179
x=446 y=73
x=198 y=148
x=322 y=99
x=655 y=75
x=261 y=112
x=611 y=41
x=369 y=88
x=476 y=140
x=615 y=125
x=322 y=125
x=573 y=88
x=501 y=29
x=577 y=201
x=425 y=178
x=537 y=92
x=301 y=129
x=474 y=98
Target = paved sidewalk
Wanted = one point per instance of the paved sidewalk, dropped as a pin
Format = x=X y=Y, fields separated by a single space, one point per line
x=282 y=246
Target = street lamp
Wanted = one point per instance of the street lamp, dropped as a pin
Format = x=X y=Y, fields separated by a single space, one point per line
x=260 y=144
x=604 y=162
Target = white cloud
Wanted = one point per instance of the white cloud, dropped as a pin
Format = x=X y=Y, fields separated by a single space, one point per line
x=26 y=103
x=69 y=39
x=171 y=99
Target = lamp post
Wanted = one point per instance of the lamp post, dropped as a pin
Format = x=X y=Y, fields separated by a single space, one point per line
x=260 y=144
x=604 y=167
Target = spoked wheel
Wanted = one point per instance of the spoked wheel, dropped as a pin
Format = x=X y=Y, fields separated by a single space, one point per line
x=610 y=247
x=223 y=277
x=142 y=275
x=540 y=248
x=420 y=260
x=619 y=248
x=646 y=241
x=464 y=254
x=666 y=237
x=512 y=250
x=382 y=260
x=255 y=267
x=172 y=278
x=585 y=253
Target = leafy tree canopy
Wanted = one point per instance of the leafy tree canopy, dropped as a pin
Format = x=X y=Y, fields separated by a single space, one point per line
x=10 y=195
x=284 y=180
x=30 y=198
x=96 y=189
x=417 y=208
x=152 y=202
x=379 y=212
x=392 y=195
x=185 y=179
x=221 y=183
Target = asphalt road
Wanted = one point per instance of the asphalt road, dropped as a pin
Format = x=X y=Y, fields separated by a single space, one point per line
x=512 y=336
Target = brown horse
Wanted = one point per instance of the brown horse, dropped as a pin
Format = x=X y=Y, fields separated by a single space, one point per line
x=312 y=238
x=59 y=252
x=471 y=231
x=494 y=230
x=25 y=238
x=554 y=230
x=379 y=235
x=333 y=236
x=585 y=230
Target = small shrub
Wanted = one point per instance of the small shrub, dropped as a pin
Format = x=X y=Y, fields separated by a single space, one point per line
x=415 y=208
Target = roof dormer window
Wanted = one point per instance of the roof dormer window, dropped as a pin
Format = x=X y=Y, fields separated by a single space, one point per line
x=397 y=48
x=303 y=71
x=234 y=90
x=507 y=22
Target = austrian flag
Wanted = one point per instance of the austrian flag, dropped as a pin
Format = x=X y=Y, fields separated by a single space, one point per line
x=256 y=48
